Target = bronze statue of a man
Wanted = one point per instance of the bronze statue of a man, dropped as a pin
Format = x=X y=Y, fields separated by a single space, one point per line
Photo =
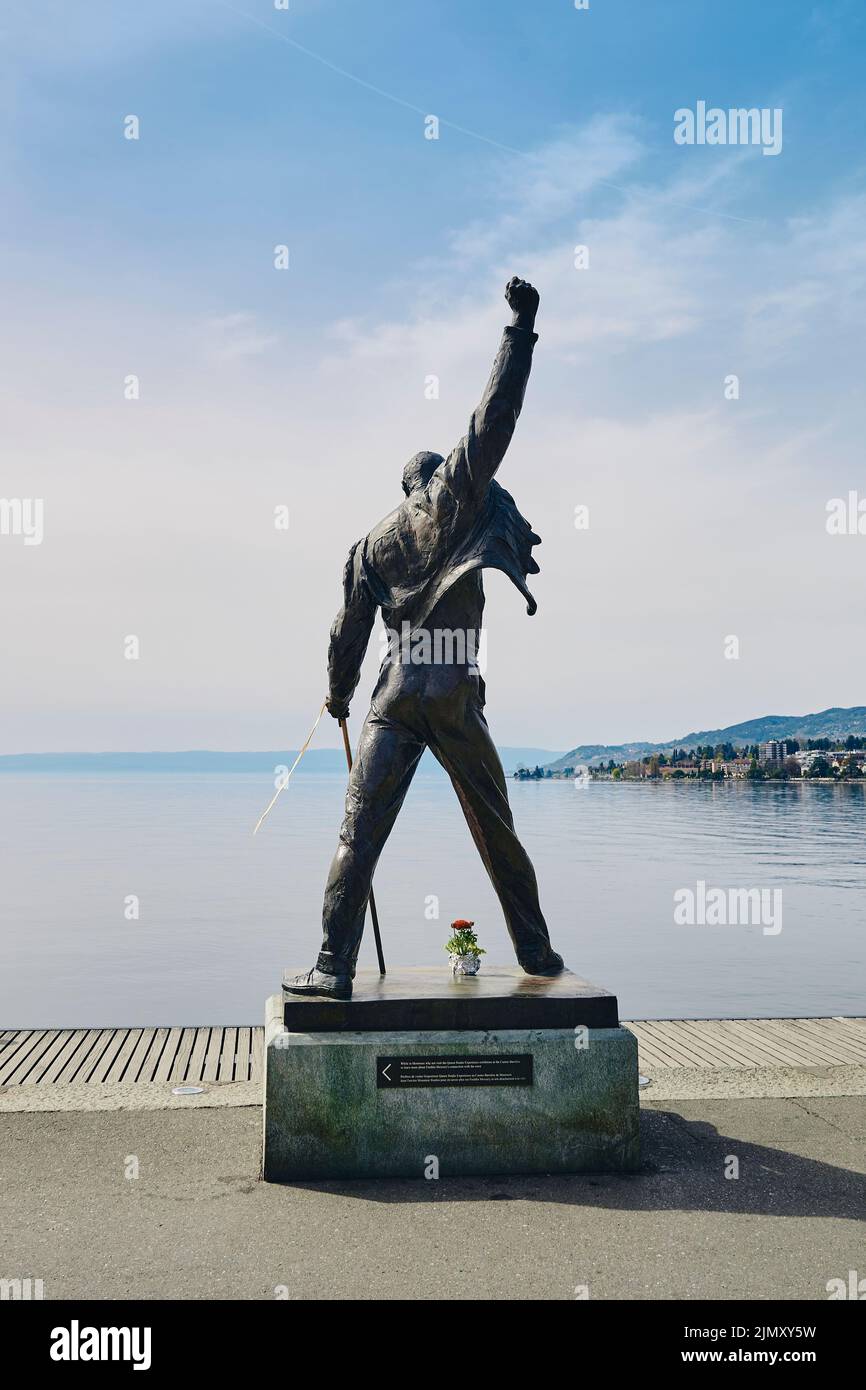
x=422 y=566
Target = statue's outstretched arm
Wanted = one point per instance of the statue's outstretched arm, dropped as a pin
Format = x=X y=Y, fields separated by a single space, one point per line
x=469 y=468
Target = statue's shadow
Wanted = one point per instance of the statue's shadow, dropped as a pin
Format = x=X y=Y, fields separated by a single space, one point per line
x=684 y=1165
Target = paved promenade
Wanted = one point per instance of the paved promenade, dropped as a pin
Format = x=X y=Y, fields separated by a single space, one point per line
x=111 y=1186
x=198 y=1223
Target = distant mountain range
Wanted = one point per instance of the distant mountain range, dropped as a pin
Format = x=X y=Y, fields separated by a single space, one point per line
x=316 y=760
x=830 y=723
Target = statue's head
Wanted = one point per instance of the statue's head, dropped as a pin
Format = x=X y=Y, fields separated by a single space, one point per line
x=419 y=470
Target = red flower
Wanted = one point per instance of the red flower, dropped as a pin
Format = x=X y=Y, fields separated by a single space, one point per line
x=461 y=924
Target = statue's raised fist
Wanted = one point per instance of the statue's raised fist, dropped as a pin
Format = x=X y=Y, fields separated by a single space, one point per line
x=522 y=297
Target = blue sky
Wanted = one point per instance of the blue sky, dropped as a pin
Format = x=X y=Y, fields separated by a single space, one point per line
x=243 y=131
x=305 y=387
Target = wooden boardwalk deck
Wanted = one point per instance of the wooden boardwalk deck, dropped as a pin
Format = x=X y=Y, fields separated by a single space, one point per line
x=748 y=1043
x=195 y=1056
x=176 y=1056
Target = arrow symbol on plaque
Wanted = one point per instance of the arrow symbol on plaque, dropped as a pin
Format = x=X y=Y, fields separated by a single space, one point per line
x=385 y=1071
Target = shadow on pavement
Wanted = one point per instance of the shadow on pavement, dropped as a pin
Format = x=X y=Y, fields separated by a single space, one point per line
x=684 y=1164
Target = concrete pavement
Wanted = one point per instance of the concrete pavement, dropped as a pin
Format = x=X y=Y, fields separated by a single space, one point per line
x=197 y=1223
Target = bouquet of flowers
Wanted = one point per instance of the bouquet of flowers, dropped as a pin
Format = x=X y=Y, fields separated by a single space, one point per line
x=463 y=949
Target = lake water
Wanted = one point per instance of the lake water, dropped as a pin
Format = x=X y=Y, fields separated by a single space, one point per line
x=221 y=913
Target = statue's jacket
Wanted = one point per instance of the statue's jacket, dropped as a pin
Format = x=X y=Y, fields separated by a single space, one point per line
x=460 y=522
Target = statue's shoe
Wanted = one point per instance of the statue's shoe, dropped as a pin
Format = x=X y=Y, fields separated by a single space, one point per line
x=551 y=964
x=318 y=983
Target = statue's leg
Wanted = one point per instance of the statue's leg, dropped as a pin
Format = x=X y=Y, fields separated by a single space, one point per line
x=465 y=749
x=385 y=763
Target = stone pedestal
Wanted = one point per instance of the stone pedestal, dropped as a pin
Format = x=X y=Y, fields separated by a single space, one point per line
x=527 y=1076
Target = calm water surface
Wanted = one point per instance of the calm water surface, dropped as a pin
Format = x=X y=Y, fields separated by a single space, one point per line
x=221 y=913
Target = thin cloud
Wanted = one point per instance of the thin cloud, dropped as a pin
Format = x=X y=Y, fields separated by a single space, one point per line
x=231 y=337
